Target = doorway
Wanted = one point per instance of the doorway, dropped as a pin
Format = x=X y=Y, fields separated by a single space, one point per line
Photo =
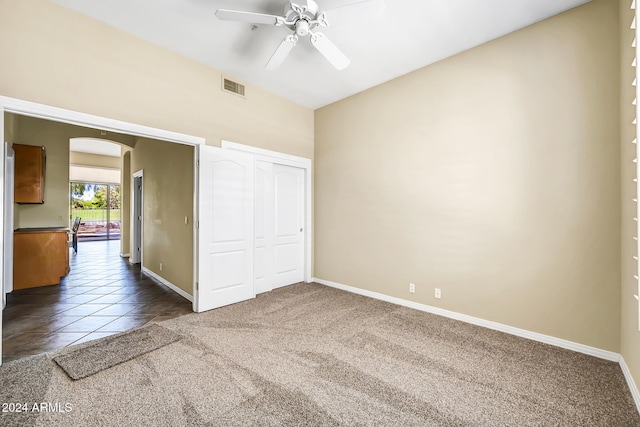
x=60 y=115
x=137 y=194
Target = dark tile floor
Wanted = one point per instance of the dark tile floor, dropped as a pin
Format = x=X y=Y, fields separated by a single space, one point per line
x=102 y=295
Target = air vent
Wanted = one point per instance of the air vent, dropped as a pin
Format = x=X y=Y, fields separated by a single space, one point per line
x=233 y=87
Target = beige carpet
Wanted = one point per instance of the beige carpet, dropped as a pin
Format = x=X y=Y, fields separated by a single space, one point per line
x=312 y=355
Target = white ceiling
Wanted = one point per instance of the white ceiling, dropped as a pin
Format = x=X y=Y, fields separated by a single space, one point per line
x=94 y=146
x=406 y=36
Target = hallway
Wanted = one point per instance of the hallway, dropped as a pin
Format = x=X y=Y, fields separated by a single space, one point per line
x=102 y=295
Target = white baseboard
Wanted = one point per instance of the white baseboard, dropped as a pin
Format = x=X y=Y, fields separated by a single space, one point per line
x=168 y=284
x=547 y=339
x=630 y=382
x=124 y=255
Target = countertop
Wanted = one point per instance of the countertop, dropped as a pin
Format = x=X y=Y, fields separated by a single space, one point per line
x=42 y=230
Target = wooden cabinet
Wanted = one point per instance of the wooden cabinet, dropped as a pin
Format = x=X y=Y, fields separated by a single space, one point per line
x=40 y=256
x=29 y=173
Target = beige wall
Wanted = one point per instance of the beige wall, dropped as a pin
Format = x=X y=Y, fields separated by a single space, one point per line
x=492 y=175
x=168 y=199
x=97 y=160
x=630 y=343
x=56 y=56
x=10 y=123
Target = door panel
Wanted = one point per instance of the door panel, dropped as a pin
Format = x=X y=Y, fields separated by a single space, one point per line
x=226 y=228
x=264 y=211
x=287 y=257
x=289 y=223
x=287 y=202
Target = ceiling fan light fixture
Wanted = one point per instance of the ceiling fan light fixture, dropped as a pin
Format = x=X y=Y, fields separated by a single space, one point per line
x=302 y=27
x=302 y=20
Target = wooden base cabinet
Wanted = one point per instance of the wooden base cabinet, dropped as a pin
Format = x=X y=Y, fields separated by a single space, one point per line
x=40 y=257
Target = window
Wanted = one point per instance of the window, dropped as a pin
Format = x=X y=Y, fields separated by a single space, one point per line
x=98 y=206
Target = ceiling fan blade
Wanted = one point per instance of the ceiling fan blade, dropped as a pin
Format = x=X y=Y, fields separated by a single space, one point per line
x=349 y=13
x=250 y=17
x=330 y=51
x=282 y=52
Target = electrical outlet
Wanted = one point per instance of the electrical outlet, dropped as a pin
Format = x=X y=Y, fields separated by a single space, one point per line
x=160 y=266
x=412 y=288
x=438 y=293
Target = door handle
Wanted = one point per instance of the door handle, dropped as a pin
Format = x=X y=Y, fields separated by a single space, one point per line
x=301 y=230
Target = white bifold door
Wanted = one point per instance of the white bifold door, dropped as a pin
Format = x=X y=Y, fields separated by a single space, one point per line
x=251 y=236
x=289 y=225
x=225 y=230
x=279 y=230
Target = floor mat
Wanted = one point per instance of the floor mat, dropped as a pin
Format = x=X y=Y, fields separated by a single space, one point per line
x=112 y=351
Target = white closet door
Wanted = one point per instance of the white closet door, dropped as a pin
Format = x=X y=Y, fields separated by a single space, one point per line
x=289 y=222
x=264 y=231
x=226 y=227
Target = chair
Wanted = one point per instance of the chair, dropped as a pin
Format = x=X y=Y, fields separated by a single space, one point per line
x=74 y=234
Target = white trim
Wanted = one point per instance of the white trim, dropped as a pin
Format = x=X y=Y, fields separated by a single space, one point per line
x=167 y=283
x=295 y=161
x=262 y=152
x=630 y=382
x=32 y=109
x=195 y=222
x=547 y=339
x=124 y=255
x=636 y=90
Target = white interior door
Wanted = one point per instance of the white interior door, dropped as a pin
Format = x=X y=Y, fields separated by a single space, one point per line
x=226 y=227
x=264 y=230
x=289 y=190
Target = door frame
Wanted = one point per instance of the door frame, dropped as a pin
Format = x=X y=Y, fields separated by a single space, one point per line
x=56 y=114
x=298 y=162
x=7 y=253
x=137 y=231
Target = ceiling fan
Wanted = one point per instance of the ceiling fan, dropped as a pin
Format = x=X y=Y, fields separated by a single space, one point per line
x=303 y=20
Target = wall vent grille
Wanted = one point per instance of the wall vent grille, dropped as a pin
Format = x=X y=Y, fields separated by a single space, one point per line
x=233 y=87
